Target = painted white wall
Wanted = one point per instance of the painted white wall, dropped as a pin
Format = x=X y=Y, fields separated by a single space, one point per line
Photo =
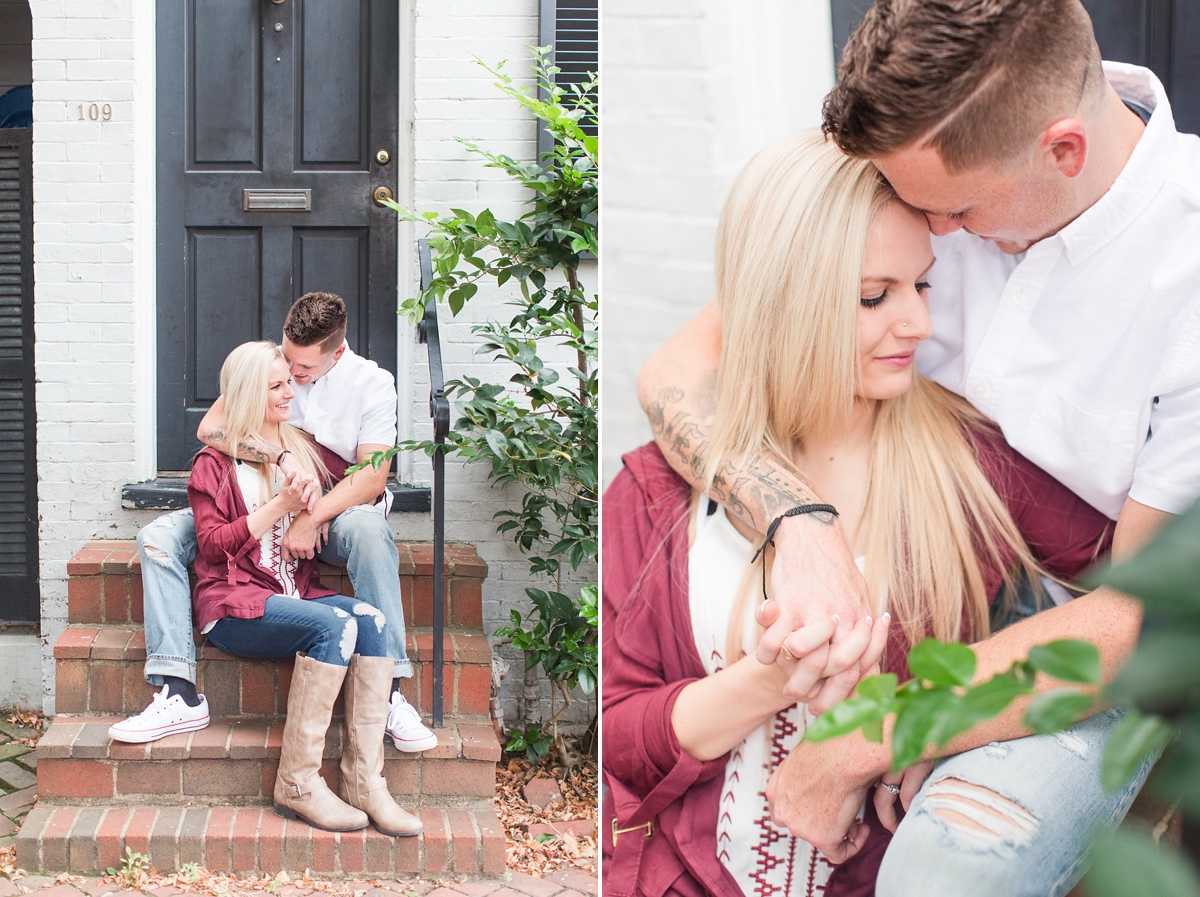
x=692 y=89
x=94 y=266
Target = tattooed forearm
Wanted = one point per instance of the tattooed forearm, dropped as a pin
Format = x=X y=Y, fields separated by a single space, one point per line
x=250 y=448
x=757 y=490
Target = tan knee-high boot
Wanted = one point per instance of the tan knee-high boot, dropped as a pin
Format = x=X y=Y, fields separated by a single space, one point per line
x=368 y=685
x=300 y=792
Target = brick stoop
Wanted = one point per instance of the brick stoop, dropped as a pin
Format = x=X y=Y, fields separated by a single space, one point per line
x=235 y=762
x=205 y=796
x=87 y=840
x=99 y=671
x=104 y=584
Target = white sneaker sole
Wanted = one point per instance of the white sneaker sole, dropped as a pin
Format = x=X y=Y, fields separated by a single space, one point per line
x=415 y=746
x=146 y=735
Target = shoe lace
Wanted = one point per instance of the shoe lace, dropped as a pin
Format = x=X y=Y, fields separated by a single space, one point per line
x=157 y=705
x=402 y=711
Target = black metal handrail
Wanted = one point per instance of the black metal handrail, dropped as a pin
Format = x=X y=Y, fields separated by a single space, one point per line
x=439 y=410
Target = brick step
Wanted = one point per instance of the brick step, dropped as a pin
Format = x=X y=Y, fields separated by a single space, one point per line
x=99 y=672
x=236 y=762
x=105 y=584
x=87 y=840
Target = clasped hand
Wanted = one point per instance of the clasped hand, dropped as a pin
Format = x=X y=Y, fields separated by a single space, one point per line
x=304 y=537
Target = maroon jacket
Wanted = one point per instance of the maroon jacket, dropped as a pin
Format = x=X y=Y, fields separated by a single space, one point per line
x=229 y=580
x=650 y=655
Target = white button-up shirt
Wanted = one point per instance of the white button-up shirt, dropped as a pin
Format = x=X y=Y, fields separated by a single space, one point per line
x=1086 y=348
x=352 y=404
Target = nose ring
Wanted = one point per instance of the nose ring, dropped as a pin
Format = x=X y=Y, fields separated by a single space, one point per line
x=905 y=324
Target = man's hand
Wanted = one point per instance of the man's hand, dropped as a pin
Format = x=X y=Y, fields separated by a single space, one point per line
x=814 y=577
x=311 y=486
x=817 y=791
x=302 y=539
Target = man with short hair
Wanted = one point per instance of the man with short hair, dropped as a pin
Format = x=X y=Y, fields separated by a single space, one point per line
x=1066 y=305
x=347 y=404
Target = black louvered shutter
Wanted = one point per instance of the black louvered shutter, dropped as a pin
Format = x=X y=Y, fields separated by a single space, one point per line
x=572 y=27
x=18 y=455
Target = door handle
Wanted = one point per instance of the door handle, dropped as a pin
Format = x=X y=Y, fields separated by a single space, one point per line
x=380 y=194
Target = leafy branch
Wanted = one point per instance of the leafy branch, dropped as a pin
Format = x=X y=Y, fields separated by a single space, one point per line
x=940 y=702
x=538 y=430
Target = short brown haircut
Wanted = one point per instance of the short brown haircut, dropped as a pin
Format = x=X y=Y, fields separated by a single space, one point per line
x=317 y=318
x=980 y=80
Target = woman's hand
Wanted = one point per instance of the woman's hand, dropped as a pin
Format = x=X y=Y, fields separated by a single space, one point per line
x=290 y=467
x=909 y=781
x=296 y=492
x=809 y=654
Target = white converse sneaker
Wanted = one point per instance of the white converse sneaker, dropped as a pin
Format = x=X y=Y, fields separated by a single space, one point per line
x=404 y=725
x=165 y=716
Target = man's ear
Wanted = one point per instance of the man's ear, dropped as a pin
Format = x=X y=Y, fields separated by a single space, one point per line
x=339 y=352
x=1065 y=144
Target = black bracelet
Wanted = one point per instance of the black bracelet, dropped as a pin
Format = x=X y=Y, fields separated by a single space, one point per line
x=770 y=540
x=286 y=452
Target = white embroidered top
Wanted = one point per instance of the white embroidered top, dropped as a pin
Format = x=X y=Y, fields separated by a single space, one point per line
x=271 y=542
x=763 y=858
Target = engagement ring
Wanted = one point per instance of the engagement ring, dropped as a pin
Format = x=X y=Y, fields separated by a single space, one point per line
x=892 y=789
x=787 y=655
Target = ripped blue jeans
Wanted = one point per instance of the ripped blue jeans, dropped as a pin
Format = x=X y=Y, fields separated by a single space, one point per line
x=330 y=630
x=1008 y=819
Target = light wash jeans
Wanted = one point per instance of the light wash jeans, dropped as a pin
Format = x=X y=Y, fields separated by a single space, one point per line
x=359 y=539
x=1042 y=806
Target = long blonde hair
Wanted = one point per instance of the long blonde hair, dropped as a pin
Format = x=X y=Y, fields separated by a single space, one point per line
x=790 y=249
x=245 y=376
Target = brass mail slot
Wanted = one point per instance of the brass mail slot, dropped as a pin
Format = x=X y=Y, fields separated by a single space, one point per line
x=277 y=200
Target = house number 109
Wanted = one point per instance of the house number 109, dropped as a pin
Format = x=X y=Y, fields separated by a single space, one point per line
x=95 y=112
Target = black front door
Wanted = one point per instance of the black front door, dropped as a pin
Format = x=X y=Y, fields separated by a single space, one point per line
x=1163 y=35
x=273 y=119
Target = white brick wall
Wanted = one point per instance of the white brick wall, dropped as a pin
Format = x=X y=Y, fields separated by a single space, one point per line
x=692 y=89
x=94 y=427
x=84 y=209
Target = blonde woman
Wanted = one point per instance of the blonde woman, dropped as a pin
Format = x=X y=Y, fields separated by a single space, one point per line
x=821 y=277
x=254 y=600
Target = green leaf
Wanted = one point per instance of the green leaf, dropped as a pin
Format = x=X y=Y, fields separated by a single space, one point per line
x=844 y=718
x=497 y=443
x=1135 y=737
x=981 y=703
x=879 y=688
x=1164 y=573
x=941 y=662
x=1164 y=674
x=920 y=715
x=544 y=837
x=1056 y=710
x=1128 y=862
x=1072 y=660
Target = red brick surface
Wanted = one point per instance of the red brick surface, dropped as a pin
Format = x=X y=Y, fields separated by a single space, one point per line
x=75 y=642
x=84 y=599
x=74 y=778
x=462 y=831
x=436 y=855
x=251 y=840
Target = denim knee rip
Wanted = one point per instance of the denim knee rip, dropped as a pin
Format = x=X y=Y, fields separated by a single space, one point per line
x=349 y=639
x=157 y=555
x=363 y=609
x=977 y=815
